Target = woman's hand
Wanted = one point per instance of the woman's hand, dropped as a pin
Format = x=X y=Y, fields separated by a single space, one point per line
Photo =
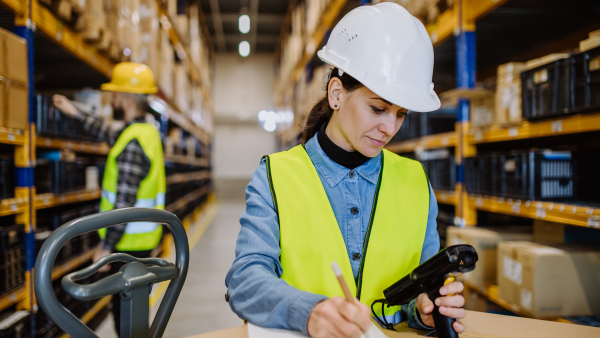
x=449 y=305
x=64 y=105
x=337 y=317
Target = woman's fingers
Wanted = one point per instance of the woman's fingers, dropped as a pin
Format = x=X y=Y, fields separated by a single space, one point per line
x=450 y=301
x=459 y=327
x=424 y=304
x=454 y=287
x=353 y=313
x=453 y=312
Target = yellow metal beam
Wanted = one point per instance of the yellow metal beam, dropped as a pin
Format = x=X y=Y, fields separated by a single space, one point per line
x=50 y=200
x=584 y=216
x=61 y=270
x=78 y=146
x=13 y=297
x=553 y=127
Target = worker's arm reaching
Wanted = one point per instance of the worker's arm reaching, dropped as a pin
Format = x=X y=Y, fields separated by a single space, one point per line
x=94 y=125
x=256 y=291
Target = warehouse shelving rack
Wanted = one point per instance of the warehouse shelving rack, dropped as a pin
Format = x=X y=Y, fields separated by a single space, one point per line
x=30 y=16
x=465 y=139
x=459 y=22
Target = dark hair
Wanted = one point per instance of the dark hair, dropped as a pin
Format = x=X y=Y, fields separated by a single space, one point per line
x=321 y=112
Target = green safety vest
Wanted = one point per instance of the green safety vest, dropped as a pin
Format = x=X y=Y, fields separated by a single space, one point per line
x=310 y=238
x=138 y=236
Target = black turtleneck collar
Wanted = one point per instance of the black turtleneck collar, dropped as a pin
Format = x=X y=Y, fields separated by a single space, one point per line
x=348 y=159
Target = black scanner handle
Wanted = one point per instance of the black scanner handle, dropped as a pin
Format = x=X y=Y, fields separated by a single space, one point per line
x=443 y=324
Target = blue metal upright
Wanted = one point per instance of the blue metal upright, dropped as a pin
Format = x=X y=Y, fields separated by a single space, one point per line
x=465 y=79
x=24 y=187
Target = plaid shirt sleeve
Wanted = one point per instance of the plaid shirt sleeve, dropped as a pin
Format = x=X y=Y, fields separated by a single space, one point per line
x=133 y=166
x=97 y=127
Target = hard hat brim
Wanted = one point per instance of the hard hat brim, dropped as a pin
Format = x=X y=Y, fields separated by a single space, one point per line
x=114 y=88
x=409 y=97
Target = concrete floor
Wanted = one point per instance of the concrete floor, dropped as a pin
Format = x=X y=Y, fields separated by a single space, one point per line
x=201 y=306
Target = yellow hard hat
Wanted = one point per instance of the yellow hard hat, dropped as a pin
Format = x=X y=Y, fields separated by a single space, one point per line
x=133 y=78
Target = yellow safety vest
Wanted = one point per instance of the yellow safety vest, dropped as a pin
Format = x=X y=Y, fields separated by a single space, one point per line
x=138 y=236
x=310 y=238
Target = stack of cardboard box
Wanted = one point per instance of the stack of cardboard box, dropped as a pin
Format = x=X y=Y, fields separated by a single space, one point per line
x=508 y=93
x=14 y=79
x=148 y=52
x=182 y=88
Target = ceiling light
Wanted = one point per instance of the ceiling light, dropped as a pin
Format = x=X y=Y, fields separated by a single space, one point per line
x=244 y=48
x=244 y=23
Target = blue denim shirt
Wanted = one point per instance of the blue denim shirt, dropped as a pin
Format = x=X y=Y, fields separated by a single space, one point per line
x=256 y=291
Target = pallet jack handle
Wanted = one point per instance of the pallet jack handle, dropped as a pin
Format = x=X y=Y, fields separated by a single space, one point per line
x=130 y=282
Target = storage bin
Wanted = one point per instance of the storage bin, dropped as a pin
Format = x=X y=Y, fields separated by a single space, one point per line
x=7 y=178
x=546 y=90
x=585 y=81
x=441 y=173
x=12 y=269
x=15 y=324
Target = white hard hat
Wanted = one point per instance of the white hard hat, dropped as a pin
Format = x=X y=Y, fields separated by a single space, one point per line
x=389 y=51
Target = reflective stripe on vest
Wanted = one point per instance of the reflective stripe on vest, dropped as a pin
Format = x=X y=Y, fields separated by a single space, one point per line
x=138 y=236
x=310 y=238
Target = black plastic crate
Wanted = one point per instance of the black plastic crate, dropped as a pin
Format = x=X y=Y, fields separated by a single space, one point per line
x=12 y=269
x=48 y=176
x=435 y=122
x=478 y=175
x=586 y=164
x=7 y=178
x=11 y=237
x=441 y=173
x=546 y=90
x=585 y=81
x=15 y=324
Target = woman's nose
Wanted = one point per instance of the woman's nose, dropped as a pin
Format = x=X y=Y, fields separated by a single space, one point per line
x=388 y=126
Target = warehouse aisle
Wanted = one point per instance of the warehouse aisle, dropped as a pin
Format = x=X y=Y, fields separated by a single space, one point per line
x=201 y=306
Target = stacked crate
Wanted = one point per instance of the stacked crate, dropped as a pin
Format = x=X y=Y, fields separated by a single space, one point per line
x=508 y=93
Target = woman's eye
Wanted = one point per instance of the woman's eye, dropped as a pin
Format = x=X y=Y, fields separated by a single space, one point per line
x=402 y=113
x=377 y=110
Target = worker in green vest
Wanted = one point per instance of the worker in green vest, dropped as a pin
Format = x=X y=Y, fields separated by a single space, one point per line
x=339 y=196
x=134 y=175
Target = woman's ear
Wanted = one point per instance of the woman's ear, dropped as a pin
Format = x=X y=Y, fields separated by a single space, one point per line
x=334 y=93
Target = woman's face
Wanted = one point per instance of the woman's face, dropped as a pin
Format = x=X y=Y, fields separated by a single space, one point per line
x=363 y=121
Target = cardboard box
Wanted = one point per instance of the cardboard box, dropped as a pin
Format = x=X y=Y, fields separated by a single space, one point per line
x=543 y=281
x=13 y=57
x=14 y=106
x=485 y=241
x=482 y=110
x=548 y=232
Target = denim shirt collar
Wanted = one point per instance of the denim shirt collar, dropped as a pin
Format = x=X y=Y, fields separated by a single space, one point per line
x=332 y=172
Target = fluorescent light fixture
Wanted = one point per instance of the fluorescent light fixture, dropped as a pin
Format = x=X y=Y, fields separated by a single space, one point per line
x=244 y=23
x=244 y=48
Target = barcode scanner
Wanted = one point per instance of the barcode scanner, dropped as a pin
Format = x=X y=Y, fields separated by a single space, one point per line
x=428 y=278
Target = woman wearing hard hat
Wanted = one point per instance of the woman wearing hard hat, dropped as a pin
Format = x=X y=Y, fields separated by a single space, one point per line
x=340 y=197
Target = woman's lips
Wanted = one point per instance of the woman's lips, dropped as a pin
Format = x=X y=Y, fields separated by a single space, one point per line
x=377 y=142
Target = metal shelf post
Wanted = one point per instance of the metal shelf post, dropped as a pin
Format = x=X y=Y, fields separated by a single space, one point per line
x=465 y=78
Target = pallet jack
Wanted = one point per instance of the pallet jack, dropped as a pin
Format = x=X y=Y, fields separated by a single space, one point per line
x=133 y=282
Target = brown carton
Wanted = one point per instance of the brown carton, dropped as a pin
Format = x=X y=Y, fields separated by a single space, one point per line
x=548 y=232
x=13 y=57
x=14 y=106
x=543 y=281
x=485 y=241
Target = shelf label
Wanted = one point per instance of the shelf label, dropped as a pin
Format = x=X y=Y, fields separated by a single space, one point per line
x=516 y=208
x=47 y=142
x=540 y=213
x=11 y=137
x=593 y=222
x=513 y=132
x=12 y=297
x=445 y=141
x=13 y=207
x=62 y=198
x=479 y=202
x=478 y=135
x=557 y=126
x=69 y=145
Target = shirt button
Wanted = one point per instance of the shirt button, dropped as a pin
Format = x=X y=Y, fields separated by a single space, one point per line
x=354 y=210
x=356 y=256
x=351 y=174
